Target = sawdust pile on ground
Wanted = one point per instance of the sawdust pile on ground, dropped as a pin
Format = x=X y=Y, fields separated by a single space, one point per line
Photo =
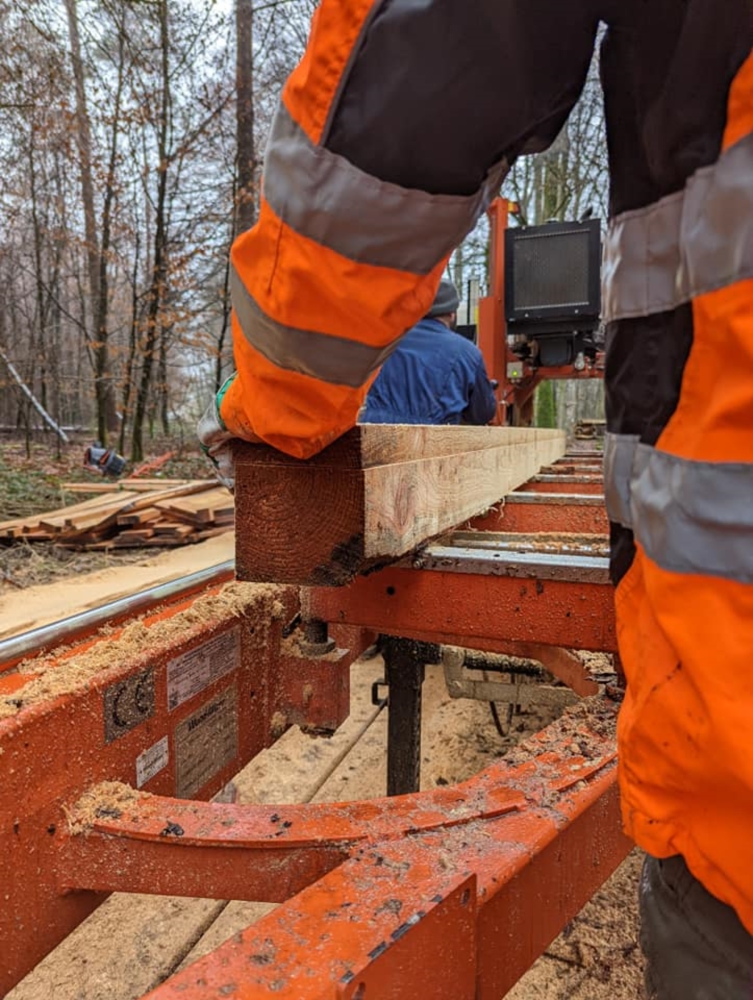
x=262 y=602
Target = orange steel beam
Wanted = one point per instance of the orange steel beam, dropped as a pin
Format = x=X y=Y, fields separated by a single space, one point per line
x=495 y=866
x=582 y=485
x=492 y=328
x=464 y=609
x=179 y=714
x=525 y=513
x=570 y=464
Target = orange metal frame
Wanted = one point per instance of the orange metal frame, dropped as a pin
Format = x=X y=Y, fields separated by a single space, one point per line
x=448 y=894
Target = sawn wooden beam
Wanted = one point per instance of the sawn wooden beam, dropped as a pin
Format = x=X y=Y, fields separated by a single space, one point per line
x=377 y=493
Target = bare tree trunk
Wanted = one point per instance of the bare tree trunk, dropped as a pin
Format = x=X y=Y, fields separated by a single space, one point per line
x=102 y=372
x=244 y=89
x=164 y=395
x=244 y=182
x=159 y=267
x=32 y=399
x=132 y=333
x=218 y=368
x=96 y=259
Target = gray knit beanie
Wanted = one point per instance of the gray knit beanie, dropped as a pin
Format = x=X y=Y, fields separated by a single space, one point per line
x=446 y=300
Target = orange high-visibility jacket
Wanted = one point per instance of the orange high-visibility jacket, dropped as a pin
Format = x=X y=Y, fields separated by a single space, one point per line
x=392 y=136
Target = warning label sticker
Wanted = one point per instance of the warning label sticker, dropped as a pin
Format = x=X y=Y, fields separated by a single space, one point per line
x=205 y=742
x=195 y=670
x=152 y=761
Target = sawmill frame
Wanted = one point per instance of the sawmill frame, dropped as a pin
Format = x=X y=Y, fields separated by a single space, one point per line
x=449 y=894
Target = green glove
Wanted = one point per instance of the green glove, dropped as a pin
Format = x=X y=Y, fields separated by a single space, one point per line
x=215 y=438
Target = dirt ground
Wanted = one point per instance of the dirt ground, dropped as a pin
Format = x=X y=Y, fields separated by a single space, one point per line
x=132 y=943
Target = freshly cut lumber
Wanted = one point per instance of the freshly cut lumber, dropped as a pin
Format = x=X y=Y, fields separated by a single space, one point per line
x=203 y=509
x=126 y=539
x=55 y=520
x=138 y=517
x=372 y=496
x=134 y=485
x=171 y=529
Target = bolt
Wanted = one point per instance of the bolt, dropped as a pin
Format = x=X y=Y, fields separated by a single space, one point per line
x=316 y=640
x=315 y=631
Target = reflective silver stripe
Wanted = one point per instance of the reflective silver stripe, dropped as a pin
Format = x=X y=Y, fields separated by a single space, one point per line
x=331 y=359
x=619 y=456
x=322 y=196
x=690 y=243
x=690 y=517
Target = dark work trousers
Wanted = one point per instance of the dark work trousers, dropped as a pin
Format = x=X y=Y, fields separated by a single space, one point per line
x=695 y=946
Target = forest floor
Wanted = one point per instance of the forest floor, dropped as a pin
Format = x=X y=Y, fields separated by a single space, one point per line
x=132 y=943
x=32 y=480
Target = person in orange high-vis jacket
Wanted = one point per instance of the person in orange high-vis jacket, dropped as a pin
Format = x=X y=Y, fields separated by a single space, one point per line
x=392 y=136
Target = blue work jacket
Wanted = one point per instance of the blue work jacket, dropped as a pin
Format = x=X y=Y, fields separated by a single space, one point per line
x=434 y=376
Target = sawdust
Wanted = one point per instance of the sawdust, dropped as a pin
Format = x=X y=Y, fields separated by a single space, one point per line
x=584 y=729
x=291 y=645
x=278 y=724
x=595 y=663
x=110 y=798
x=261 y=602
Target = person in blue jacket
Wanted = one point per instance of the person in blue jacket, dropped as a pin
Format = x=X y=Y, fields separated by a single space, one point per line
x=434 y=376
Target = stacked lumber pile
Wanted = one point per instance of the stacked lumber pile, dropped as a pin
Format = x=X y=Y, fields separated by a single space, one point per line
x=132 y=484
x=587 y=430
x=178 y=515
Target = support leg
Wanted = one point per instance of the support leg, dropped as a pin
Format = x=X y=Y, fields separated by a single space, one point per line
x=404 y=662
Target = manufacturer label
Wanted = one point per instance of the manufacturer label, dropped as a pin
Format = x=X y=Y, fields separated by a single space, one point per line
x=195 y=670
x=128 y=703
x=205 y=742
x=151 y=761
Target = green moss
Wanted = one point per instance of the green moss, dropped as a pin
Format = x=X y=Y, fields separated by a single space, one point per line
x=545 y=406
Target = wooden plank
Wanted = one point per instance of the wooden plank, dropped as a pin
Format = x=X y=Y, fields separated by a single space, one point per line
x=36 y=535
x=76 y=546
x=87 y=512
x=374 y=495
x=137 y=517
x=172 y=530
x=25 y=529
x=201 y=510
x=135 y=485
x=131 y=538
x=199 y=536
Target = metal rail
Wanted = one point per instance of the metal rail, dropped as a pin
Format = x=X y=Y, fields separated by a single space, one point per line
x=541 y=543
x=556 y=499
x=38 y=640
x=491 y=562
